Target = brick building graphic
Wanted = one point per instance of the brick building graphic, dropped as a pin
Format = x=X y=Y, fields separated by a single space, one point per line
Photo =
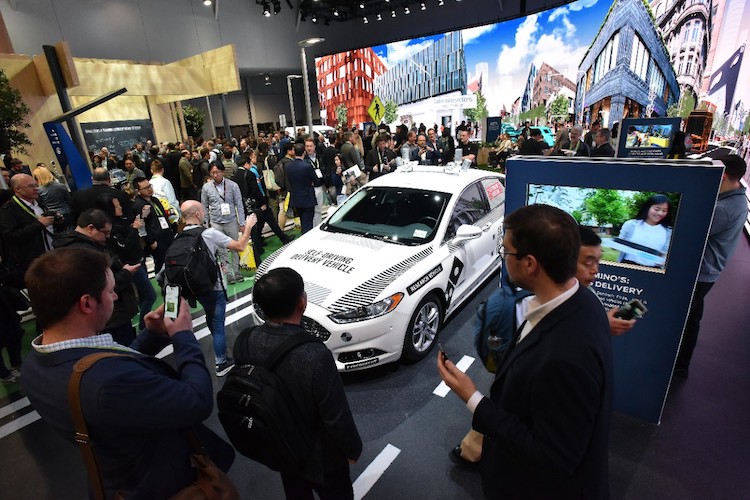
x=347 y=78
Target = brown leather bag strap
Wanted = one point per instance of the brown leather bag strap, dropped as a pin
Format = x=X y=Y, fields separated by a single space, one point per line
x=79 y=422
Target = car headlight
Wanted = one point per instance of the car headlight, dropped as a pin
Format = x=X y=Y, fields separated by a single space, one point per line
x=369 y=311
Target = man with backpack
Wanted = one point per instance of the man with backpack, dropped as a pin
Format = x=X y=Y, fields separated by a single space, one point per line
x=212 y=297
x=308 y=373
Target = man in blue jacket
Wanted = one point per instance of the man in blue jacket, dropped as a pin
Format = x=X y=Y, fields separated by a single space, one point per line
x=302 y=182
x=137 y=408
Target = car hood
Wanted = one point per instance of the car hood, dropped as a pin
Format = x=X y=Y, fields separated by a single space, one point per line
x=343 y=271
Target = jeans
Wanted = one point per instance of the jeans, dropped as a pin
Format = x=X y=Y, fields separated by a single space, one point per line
x=230 y=260
x=146 y=292
x=214 y=302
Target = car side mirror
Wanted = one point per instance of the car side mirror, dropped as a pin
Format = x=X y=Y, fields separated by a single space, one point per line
x=466 y=232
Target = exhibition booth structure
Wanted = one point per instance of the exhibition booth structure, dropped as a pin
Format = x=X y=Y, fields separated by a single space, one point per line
x=608 y=195
x=150 y=108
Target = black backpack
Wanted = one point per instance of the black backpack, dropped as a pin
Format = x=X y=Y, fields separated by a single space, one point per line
x=188 y=264
x=258 y=412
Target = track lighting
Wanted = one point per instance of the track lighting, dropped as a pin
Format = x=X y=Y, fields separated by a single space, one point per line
x=336 y=12
x=423 y=6
x=207 y=3
x=276 y=7
x=365 y=20
x=314 y=19
x=361 y=5
x=380 y=18
x=406 y=10
x=440 y=3
x=266 y=9
x=393 y=13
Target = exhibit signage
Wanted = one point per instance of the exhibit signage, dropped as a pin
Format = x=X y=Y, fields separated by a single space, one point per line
x=68 y=157
x=622 y=200
x=493 y=128
x=456 y=102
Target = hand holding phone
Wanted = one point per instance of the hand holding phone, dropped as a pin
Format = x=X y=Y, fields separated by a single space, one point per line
x=634 y=309
x=171 y=301
x=442 y=352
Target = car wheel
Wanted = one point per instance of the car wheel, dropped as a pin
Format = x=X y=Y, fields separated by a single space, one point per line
x=423 y=329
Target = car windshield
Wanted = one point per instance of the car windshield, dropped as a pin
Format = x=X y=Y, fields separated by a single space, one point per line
x=393 y=214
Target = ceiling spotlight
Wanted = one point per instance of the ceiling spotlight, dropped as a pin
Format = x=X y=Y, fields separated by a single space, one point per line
x=365 y=20
x=207 y=3
x=276 y=7
x=336 y=12
x=314 y=19
x=380 y=18
x=406 y=10
x=440 y=4
x=393 y=13
x=266 y=9
x=361 y=5
x=268 y=80
x=423 y=6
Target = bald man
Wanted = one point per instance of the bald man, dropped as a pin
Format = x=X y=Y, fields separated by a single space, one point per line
x=214 y=301
x=25 y=228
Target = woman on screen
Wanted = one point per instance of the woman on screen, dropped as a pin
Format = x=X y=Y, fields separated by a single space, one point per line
x=650 y=233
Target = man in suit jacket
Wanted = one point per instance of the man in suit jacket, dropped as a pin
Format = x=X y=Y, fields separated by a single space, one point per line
x=302 y=182
x=546 y=421
x=350 y=153
x=601 y=142
x=136 y=406
x=309 y=372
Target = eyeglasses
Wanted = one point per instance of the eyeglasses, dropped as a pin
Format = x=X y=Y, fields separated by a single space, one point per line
x=146 y=187
x=503 y=254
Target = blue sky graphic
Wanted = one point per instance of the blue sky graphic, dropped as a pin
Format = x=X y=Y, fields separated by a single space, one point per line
x=559 y=37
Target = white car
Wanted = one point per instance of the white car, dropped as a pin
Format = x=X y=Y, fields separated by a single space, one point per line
x=397 y=258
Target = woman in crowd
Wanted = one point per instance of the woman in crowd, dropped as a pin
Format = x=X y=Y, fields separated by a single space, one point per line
x=651 y=228
x=349 y=183
x=503 y=147
x=54 y=195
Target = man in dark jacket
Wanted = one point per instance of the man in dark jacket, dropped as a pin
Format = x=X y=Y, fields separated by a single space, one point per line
x=92 y=230
x=136 y=406
x=310 y=373
x=255 y=196
x=602 y=147
x=158 y=232
x=25 y=229
x=381 y=159
x=86 y=198
x=546 y=420
x=302 y=182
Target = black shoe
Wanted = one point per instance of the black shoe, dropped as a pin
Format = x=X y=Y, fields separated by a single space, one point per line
x=456 y=458
x=223 y=368
x=681 y=372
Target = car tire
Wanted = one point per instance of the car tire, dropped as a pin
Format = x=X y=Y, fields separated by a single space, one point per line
x=424 y=326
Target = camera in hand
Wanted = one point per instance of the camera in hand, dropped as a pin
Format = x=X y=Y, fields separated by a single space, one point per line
x=634 y=309
x=57 y=216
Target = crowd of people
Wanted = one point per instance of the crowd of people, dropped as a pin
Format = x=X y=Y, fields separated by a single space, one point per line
x=541 y=432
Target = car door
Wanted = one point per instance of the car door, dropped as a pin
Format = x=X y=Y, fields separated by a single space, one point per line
x=469 y=258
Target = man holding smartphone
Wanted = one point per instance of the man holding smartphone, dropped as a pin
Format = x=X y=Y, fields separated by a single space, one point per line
x=546 y=421
x=214 y=301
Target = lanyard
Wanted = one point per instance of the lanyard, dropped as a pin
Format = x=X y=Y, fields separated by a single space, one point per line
x=314 y=162
x=24 y=206
x=157 y=208
x=258 y=180
x=380 y=158
x=224 y=188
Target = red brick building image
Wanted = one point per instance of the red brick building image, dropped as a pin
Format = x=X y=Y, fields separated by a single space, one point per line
x=347 y=78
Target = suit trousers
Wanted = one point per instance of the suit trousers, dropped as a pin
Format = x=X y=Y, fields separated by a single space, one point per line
x=306 y=216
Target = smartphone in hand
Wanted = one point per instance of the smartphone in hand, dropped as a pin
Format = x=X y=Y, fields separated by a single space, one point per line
x=171 y=301
x=442 y=352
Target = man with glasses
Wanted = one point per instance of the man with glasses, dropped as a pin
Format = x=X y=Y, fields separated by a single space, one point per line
x=469 y=452
x=157 y=232
x=92 y=230
x=546 y=421
x=26 y=227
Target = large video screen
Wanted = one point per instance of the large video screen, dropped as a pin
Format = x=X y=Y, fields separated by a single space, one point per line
x=587 y=60
x=635 y=226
